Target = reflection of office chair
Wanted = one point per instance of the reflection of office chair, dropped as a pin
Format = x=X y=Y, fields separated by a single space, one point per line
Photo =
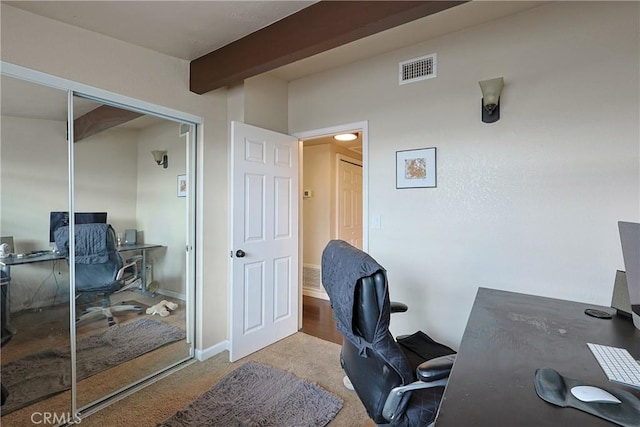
x=5 y=280
x=6 y=333
x=99 y=268
x=6 y=337
x=391 y=379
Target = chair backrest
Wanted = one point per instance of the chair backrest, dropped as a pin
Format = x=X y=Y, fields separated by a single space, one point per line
x=375 y=375
x=376 y=364
x=97 y=261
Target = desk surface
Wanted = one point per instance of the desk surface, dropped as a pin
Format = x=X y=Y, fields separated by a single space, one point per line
x=28 y=259
x=509 y=336
x=138 y=247
x=52 y=256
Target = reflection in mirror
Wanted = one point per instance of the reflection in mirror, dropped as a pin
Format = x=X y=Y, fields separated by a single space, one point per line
x=139 y=223
x=138 y=320
x=35 y=350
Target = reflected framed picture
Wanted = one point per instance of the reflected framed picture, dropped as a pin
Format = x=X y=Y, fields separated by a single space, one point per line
x=416 y=168
x=182 y=185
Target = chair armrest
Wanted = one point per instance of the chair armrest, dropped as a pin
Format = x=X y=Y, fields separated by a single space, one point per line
x=389 y=412
x=435 y=369
x=432 y=373
x=133 y=259
x=131 y=262
x=398 y=307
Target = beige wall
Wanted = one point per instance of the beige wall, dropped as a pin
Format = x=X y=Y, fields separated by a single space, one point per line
x=528 y=204
x=266 y=103
x=316 y=210
x=259 y=101
x=89 y=58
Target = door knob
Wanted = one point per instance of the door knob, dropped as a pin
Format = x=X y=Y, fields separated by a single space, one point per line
x=240 y=253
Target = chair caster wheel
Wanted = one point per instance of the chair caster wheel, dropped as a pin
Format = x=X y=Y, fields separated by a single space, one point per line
x=347 y=383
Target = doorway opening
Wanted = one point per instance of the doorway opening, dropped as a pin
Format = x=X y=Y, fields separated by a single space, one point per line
x=333 y=206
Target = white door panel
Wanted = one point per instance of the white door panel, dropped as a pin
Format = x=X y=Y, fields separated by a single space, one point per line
x=264 y=283
x=349 y=201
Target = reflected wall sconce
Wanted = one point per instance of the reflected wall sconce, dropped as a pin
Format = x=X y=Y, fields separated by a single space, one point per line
x=161 y=158
x=491 y=90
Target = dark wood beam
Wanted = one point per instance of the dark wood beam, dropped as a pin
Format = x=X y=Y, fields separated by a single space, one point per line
x=99 y=119
x=317 y=28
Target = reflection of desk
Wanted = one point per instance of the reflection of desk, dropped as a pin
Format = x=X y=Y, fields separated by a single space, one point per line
x=8 y=262
x=28 y=259
x=509 y=336
x=142 y=248
x=5 y=265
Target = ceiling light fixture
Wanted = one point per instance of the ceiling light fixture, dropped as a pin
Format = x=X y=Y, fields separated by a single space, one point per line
x=346 y=137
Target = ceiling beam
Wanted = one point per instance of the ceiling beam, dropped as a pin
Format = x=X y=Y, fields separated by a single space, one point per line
x=317 y=28
x=99 y=119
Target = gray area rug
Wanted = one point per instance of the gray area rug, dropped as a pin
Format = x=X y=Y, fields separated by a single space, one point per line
x=258 y=395
x=48 y=372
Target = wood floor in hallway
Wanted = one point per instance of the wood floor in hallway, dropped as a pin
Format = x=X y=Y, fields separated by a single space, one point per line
x=317 y=319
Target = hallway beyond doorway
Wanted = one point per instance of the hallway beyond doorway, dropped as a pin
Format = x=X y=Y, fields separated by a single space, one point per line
x=317 y=320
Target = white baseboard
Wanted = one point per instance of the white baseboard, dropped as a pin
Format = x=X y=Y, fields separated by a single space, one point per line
x=315 y=293
x=171 y=294
x=205 y=354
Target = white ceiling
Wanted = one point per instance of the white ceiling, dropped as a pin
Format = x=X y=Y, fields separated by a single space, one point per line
x=183 y=29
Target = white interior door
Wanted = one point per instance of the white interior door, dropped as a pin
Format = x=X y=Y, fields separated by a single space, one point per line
x=349 y=203
x=264 y=256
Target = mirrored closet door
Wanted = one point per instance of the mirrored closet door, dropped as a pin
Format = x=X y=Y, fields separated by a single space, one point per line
x=118 y=180
x=135 y=327
x=34 y=175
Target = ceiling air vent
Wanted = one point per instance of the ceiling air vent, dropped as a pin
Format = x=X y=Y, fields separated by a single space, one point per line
x=417 y=69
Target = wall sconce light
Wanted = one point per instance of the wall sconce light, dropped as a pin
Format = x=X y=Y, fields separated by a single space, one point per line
x=161 y=158
x=491 y=90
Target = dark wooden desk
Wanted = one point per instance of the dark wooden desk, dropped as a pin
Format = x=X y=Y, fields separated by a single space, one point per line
x=508 y=336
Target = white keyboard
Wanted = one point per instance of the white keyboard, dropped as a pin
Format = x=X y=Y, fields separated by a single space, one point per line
x=617 y=364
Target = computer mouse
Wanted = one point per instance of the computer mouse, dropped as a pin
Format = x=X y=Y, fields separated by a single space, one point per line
x=590 y=394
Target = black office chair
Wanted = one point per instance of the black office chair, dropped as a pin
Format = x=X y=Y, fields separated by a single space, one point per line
x=99 y=267
x=400 y=383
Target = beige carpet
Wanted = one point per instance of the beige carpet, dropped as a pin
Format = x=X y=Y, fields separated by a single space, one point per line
x=307 y=357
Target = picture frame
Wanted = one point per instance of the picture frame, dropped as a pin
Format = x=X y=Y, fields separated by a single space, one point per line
x=416 y=168
x=182 y=185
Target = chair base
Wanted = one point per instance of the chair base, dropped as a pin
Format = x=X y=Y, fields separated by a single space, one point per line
x=347 y=383
x=107 y=312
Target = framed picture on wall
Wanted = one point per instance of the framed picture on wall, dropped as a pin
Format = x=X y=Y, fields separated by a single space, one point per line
x=416 y=168
x=182 y=185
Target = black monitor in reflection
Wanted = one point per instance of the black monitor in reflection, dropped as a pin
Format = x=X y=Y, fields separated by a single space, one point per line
x=60 y=219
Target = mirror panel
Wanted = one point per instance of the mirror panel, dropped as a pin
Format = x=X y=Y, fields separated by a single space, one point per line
x=147 y=205
x=147 y=209
x=36 y=356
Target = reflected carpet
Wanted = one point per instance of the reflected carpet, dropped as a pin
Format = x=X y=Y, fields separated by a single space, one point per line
x=259 y=395
x=48 y=372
